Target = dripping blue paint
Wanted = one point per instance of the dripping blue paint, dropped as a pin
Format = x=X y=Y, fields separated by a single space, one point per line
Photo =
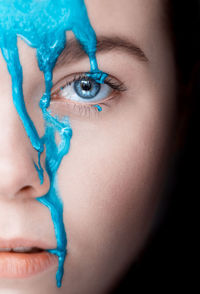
x=43 y=25
x=99 y=108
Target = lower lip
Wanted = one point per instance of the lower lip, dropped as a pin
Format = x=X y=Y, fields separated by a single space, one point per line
x=24 y=265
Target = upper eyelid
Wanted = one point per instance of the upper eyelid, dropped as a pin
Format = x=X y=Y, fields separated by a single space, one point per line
x=73 y=77
x=76 y=76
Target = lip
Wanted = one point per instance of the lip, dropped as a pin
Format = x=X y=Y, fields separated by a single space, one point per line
x=20 y=242
x=25 y=265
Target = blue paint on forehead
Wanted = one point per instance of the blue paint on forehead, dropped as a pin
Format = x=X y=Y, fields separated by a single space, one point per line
x=43 y=25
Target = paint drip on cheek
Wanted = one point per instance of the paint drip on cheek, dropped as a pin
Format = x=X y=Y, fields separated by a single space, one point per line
x=43 y=25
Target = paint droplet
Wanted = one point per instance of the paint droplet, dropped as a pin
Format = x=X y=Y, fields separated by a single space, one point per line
x=98 y=107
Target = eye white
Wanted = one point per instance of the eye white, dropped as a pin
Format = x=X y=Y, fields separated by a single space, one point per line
x=69 y=93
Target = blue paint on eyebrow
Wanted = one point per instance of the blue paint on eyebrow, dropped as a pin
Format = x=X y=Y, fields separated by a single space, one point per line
x=43 y=25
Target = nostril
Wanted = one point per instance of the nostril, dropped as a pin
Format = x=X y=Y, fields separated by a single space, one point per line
x=25 y=191
x=21 y=183
x=35 y=189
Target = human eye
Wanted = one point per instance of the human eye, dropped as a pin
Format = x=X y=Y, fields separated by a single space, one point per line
x=81 y=94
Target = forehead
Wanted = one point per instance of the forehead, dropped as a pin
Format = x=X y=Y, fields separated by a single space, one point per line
x=134 y=17
x=32 y=18
x=47 y=13
x=130 y=16
x=140 y=21
x=42 y=24
x=28 y=15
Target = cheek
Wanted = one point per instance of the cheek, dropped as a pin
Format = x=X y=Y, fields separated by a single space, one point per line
x=109 y=181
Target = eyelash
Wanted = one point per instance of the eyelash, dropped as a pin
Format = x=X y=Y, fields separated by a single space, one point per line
x=86 y=109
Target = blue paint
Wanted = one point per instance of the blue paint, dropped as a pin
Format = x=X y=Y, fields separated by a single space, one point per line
x=98 y=76
x=51 y=199
x=39 y=169
x=99 y=108
x=42 y=25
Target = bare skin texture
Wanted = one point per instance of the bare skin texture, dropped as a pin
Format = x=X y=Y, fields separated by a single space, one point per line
x=110 y=180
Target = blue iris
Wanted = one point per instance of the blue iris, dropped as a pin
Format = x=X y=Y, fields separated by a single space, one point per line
x=86 y=88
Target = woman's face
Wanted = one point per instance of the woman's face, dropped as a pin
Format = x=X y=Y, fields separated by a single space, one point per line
x=110 y=180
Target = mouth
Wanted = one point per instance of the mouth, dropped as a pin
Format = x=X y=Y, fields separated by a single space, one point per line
x=22 y=250
x=20 y=260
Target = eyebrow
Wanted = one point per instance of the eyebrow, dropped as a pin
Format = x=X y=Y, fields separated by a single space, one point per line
x=74 y=52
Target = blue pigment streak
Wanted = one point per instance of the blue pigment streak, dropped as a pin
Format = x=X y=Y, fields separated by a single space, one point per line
x=43 y=25
x=99 y=108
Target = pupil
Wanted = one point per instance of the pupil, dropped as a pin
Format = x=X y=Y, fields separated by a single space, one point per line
x=86 y=88
x=86 y=85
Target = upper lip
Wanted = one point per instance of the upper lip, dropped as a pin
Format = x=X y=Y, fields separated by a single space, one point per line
x=21 y=242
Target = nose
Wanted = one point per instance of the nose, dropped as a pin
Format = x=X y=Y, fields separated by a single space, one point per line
x=19 y=178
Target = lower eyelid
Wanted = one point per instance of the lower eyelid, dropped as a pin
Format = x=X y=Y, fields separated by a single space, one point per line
x=85 y=110
x=60 y=99
x=73 y=109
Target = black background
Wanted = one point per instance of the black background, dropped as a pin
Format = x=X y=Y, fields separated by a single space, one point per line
x=169 y=261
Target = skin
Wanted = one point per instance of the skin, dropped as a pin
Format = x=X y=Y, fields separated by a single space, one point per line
x=111 y=180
